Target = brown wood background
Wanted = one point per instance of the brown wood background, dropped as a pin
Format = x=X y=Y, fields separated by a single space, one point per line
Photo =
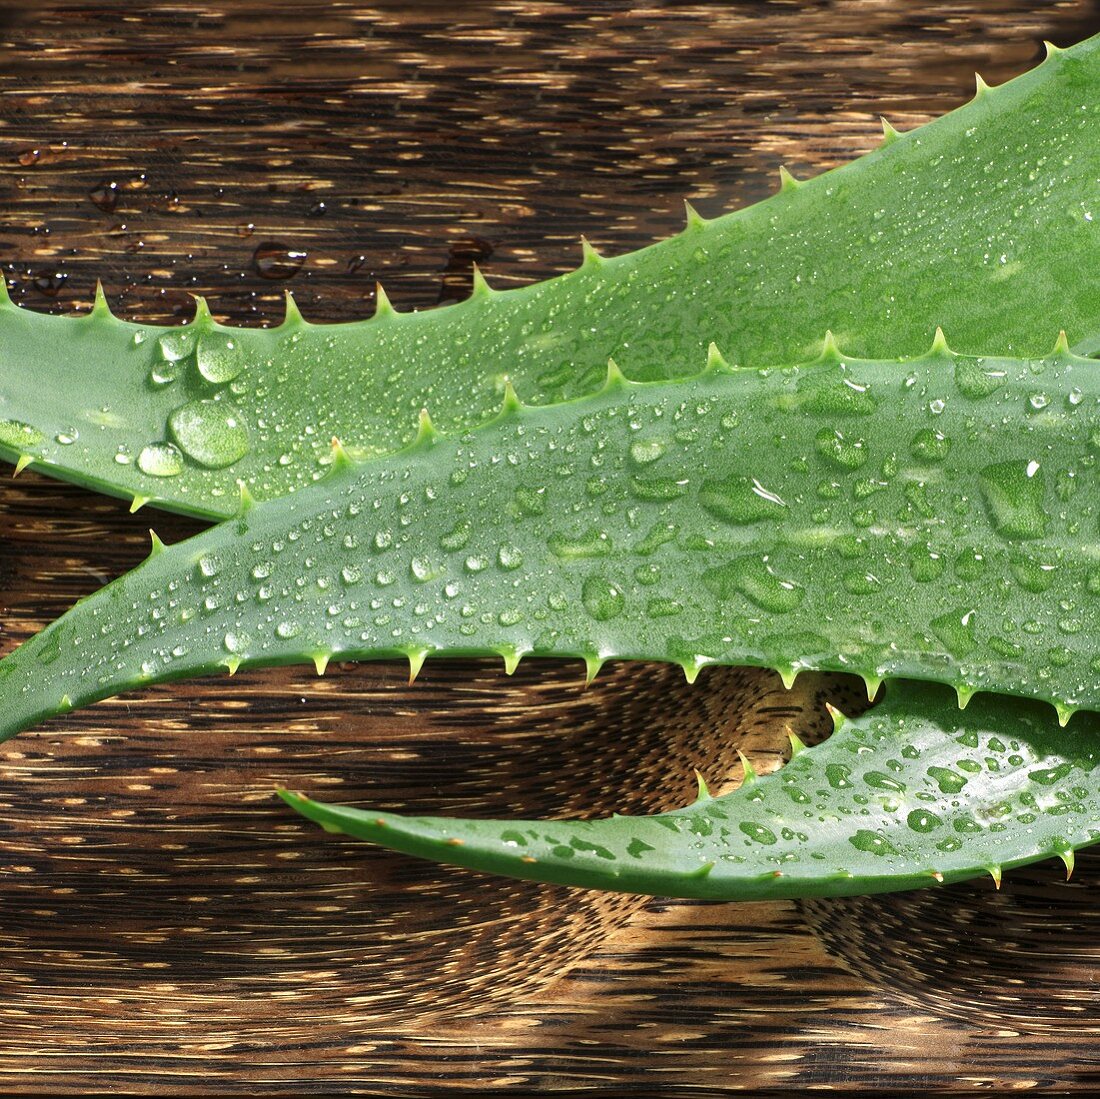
x=166 y=927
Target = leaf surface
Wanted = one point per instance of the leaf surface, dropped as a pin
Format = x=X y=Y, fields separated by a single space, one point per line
x=980 y=222
x=934 y=519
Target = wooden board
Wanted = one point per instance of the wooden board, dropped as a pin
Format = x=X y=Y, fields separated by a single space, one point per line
x=168 y=927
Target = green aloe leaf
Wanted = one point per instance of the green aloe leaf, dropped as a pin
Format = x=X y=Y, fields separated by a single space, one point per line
x=980 y=222
x=934 y=519
x=911 y=794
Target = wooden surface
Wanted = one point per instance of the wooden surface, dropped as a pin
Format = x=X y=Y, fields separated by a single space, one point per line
x=168 y=927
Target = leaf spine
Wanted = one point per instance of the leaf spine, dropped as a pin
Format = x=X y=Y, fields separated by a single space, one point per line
x=21 y=463
x=156 y=545
x=939 y=344
x=872 y=683
x=426 y=433
x=798 y=745
x=693 y=220
x=615 y=379
x=1061 y=344
x=1068 y=861
x=589 y=256
x=340 y=457
x=1064 y=713
x=1051 y=49
x=838 y=718
x=320 y=662
x=787 y=182
x=995 y=874
x=248 y=501
x=100 y=309
x=511 y=403
x=202 y=317
x=981 y=88
x=65 y=704
x=481 y=289
x=716 y=363
x=830 y=352
x=138 y=502
x=382 y=306
x=692 y=668
x=703 y=793
x=746 y=765
x=964 y=695
x=592 y=666
x=232 y=663
x=292 y=317
x=511 y=658
x=788 y=675
x=889 y=134
x=416 y=662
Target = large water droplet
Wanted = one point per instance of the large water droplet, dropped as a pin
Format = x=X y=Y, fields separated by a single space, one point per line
x=16 y=434
x=872 y=843
x=218 y=358
x=839 y=449
x=753 y=578
x=212 y=433
x=740 y=500
x=975 y=381
x=160 y=460
x=1014 y=495
x=602 y=599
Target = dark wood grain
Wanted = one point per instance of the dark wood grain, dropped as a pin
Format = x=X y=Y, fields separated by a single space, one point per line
x=168 y=927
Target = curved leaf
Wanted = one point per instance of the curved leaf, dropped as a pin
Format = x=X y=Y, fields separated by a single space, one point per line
x=911 y=794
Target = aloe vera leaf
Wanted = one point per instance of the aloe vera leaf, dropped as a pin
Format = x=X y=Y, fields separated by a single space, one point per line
x=911 y=794
x=934 y=519
x=980 y=222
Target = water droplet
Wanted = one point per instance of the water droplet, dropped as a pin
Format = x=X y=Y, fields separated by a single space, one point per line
x=837 y=775
x=17 y=435
x=839 y=449
x=929 y=446
x=1014 y=495
x=956 y=630
x=509 y=557
x=590 y=543
x=286 y=630
x=925 y=564
x=104 y=195
x=922 y=820
x=218 y=358
x=212 y=433
x=209 y=565
x=973 y=380
x=276 y=261
x=948 y=781
x=66 y=438
x=1038 y=401
x=740 y=500
x=753 y=578
x=160 y=460
x=644 y=452
x=602 y=599
x=757 y=832
x=872 y=843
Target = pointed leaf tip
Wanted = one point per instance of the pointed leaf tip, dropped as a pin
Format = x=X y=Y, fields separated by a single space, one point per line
x=889 y=134
x=320 y=662
x=232 y=663
x=1061 y=344
x=1051 y=49
x=22 y=462
x=716 y=362
x=1064 y=713
x=995 y=874
x=939 y=343
x=788 y=675
x=980 y=86
x=692 y=670
x=202 y=315
x=138 y=503
x=248 y=501
x=830 y=351
x=157 y=547
x=798 y=745
x=592 y=666
x=511 y=660
x=964 y=695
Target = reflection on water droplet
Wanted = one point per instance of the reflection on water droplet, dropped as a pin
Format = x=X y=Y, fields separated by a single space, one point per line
x=212 y=433
x=160 y=460
x=840 y=450
x=872 y=843
x=740 y=500
x=929 y=446
x=757 y=832
x=274 y=260
x=921 y=820
x=975 y=381
x=753 y=578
